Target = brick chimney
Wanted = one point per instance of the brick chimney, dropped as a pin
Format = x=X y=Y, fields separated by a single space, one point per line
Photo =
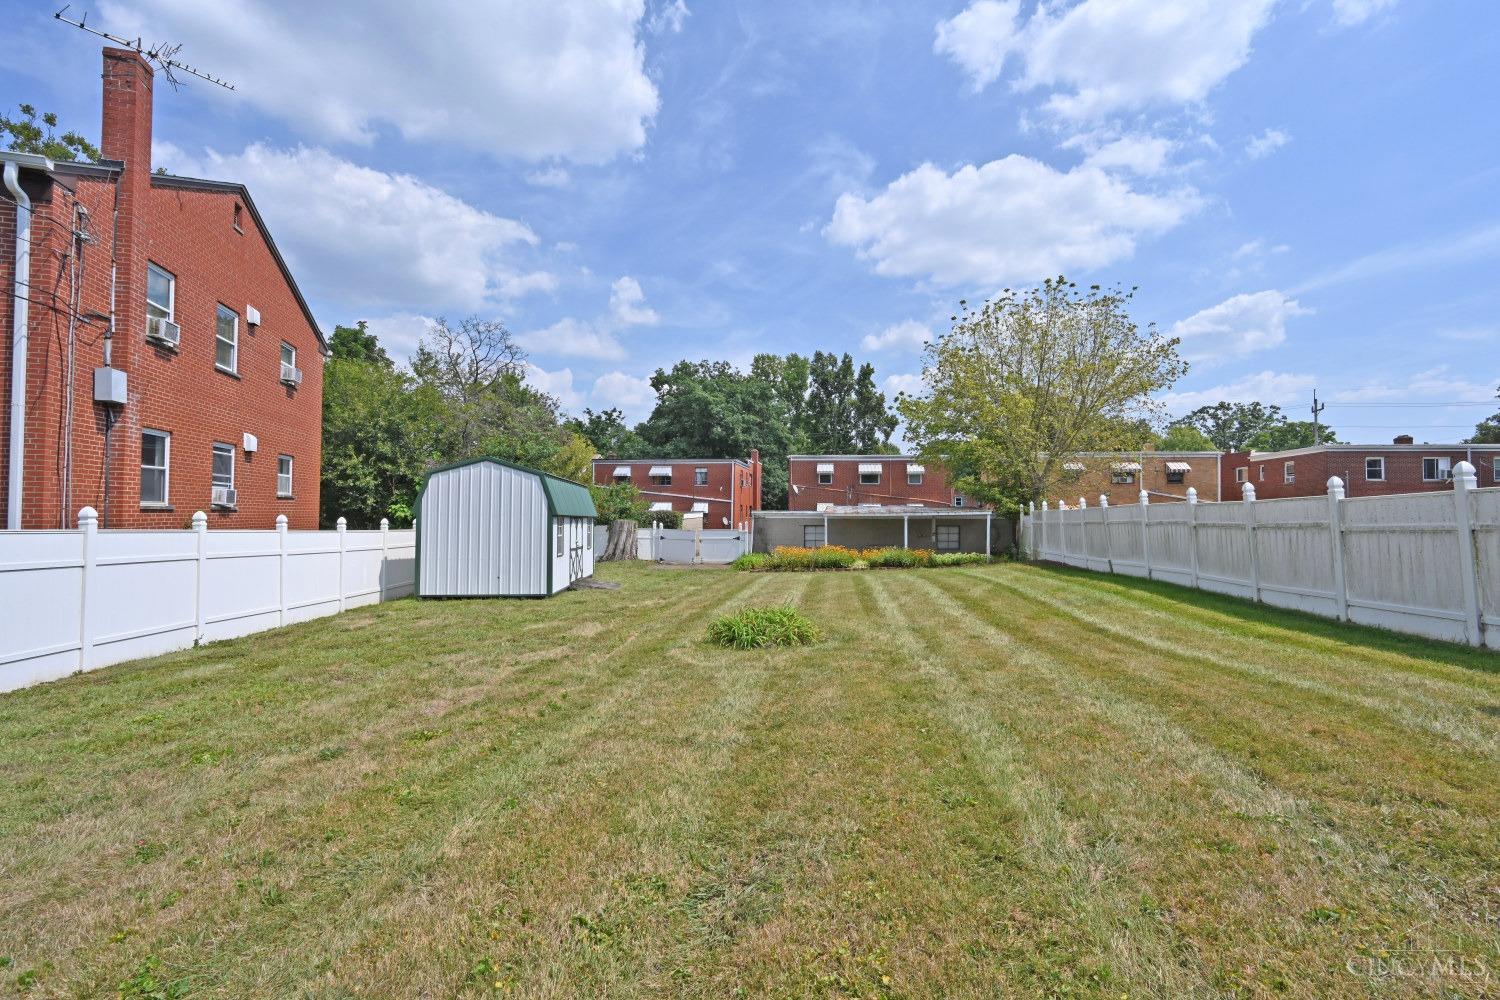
x=126 y=131
x=755 y=478
x=1402 y=439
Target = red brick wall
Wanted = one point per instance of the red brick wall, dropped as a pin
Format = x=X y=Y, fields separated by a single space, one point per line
x=731 y=492
x=191 y=234
x=1403 y=471
x=805 y=492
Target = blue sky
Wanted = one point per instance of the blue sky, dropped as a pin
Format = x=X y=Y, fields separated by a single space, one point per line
x=1304 y=190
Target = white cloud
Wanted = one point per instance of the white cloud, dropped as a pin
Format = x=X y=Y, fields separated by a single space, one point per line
x=1349 y=13
x=1011 y=220
x=1258 y=147
x=1279 y=388
x=565 y=78
x=376 y=238
x=1238 y=326
x=1432 y=385
x=630 y=394
x=627 y=304
x=558 y=384
x=1102 y=56
x=906 y=335
x=979 y=38
x=1145 y=155
x=574 y=338
x=553 y=177
x=1258 y=248
x=670 y=16
x=398 y=333
x=1452 y=249
x=912 y=385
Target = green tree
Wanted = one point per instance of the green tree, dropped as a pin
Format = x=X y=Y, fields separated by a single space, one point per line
x=357 y=343
x=1031 y=378
x=1487 y=431
x=607 y=432
x=619 y=502
x=1230 y=426
x=381 y=432
x=1184 y=437
x=1291 y=434
x=710 y=409
x=33 y=132
x=845 y=413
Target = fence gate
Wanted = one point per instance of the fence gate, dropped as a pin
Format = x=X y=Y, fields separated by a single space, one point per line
x=675 y=545
x=723 y=546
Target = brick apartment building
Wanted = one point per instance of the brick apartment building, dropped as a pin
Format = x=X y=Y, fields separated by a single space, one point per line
x=1164 y=475
x=724 y=490
x=1366 y=469
x=819 y=482
x=214 y=401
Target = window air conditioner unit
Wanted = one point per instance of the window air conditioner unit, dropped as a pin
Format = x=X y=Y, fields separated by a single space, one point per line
x=291 y=375
x=225 y=496
x=163 y=331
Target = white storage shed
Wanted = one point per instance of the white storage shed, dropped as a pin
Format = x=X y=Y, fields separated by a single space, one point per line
x=491 y=528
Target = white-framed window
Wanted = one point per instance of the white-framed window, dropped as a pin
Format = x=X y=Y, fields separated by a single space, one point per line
x=223 y=468
x=813 y=536
x=161 y=293
x=913 y=479
x=557 y=537
x=1262 y=474
x=238 y=213
x=156 y=473
x=825 y=479
x=869 y=478
x=227 y=340
x=700 y=477
x=1288 y=472
x=283 y=475
x=1375 y=470
x=1437 y=468
x=1242 y=474
x=958 y=500
x=1176 y=476
x=662 y=480
x=1121 y=477
x=288 y=357
x=947 y=537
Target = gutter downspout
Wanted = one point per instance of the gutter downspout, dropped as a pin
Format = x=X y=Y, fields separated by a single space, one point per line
x=21 y=280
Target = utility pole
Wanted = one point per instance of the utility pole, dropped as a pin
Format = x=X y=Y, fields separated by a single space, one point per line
x=1317 y=409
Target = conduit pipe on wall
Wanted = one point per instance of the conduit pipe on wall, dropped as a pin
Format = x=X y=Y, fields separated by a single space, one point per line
x=20 y=317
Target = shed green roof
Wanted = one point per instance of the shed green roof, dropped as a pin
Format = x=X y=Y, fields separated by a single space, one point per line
x=567 y=498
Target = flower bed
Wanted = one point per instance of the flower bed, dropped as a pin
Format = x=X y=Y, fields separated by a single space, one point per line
x=793 y=558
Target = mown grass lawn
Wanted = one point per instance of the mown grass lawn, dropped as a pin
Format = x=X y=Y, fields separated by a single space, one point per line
x=1001 y=781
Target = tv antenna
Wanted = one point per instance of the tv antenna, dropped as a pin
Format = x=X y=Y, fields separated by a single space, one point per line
x=163 y=54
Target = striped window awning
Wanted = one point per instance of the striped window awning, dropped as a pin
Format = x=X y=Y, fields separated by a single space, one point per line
x=869 y=467
x=1126 y=466
x=661 y=505
x=825 y=506
x=622 y=470
x=1072 y=466
x=913 y=469
x=825 y=467
x=700 y=507
x=1179 y=467
x=661 y=470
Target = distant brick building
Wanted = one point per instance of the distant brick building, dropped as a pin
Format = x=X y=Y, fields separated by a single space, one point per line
x=817 y=482
x=221 y=359
x=1366 y=469
x=1164 y=475
x=725 y=491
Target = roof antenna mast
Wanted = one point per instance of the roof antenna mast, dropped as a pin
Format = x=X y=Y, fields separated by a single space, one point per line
x=162 y=53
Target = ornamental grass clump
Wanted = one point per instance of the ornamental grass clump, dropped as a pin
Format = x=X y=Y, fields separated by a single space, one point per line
x=759 y=628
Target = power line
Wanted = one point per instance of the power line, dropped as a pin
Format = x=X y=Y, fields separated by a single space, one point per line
x=1464 y=402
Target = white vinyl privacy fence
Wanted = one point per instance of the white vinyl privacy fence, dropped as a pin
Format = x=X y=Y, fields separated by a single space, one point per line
x=1424 y=563
x=77 y=600
x=684 y=546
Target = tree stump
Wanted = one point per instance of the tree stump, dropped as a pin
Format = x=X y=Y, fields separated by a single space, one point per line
x=620 y=543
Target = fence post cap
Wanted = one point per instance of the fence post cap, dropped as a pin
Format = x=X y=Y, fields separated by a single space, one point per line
x=1335 y=484
x=1465 y=471
x=1247 y=490
x=1192 y=494
x=200 y=519
x=341 y=524
x=1083 y=502
x=1104 y=499
x=1145 y=497
x=280 y=521
x=385 y=523
x=87 y=515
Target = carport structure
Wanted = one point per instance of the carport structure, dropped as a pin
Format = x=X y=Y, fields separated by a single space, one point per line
x=866 y=526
